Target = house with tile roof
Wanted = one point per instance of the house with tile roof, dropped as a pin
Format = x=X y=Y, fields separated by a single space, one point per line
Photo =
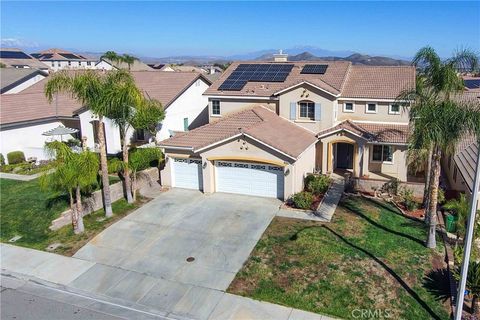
x=58 y=59
x=16 y=58
x=15 y=80
x=272 y=123
x=26 y=115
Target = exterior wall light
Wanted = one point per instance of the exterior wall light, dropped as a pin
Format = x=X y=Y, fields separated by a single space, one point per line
x=287 y=172
x=204 y=165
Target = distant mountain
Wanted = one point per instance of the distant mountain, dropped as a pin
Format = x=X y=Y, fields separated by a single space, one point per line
x=355 y=58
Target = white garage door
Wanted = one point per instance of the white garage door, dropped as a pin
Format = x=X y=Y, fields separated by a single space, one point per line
x=256 y=179
x=187 y=173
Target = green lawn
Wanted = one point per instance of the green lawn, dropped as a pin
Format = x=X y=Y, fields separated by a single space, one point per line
x=368 y=257
x=27 y=210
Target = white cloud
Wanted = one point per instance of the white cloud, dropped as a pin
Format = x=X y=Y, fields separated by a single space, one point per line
x=18 y=43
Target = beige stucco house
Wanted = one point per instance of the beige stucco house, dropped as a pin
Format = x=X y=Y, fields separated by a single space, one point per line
x=317 y=116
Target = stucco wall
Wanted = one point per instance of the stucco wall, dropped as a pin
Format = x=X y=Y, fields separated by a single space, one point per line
x=397 y=169
x=29 y=139
x=307 y=93
x=303 y=166
x=360 y=113
x=112 y=133
x=228 y=105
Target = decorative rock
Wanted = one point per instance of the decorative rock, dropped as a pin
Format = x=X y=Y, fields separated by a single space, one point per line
x=15 y=239
x=53 y=246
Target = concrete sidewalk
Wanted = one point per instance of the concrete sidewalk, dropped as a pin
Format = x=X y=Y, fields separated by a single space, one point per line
x=117 y=288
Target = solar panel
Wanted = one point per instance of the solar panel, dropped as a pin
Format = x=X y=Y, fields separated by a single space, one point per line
x=69 y=56
x=314 y=69
x=245 y=72
x=13 y=55
x=472 y=83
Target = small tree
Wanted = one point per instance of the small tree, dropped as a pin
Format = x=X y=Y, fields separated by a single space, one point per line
x=149 y=116
x=461 y=208
x=473 y=283
x=73 y=172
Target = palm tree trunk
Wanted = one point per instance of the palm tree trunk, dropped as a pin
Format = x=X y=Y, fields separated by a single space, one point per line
x=73 y=210
x=475 y=305
x=107 y=200
x=126 y=173
x=134 y=186
x=426 y=191
x=432 y=208
x=80 y=227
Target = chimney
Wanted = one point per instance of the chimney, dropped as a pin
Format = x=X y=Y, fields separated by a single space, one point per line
x=280 y=56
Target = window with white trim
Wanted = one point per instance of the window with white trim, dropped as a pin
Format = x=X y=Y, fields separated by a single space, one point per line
x=371 y=108
x=348 y=107
x=394 y=109
x=382 y=153
x=307 y=110
x=216 y=107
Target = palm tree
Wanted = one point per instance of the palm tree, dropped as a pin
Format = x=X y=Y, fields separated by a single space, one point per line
x=461 y=208
x=89 y=88
x=129 y=60
x=141 y=158
x=112 y=56
x=473 y=283
x=438 y=121
x=123 y=98
x=73 y=172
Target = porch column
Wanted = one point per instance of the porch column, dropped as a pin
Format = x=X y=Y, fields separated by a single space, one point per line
x=324 y=157
x=365 y=157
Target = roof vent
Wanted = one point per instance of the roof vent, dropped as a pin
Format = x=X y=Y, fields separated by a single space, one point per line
x=280 y=56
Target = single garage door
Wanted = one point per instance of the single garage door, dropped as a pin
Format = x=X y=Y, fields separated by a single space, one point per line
x=255 y=179
x=187 y=173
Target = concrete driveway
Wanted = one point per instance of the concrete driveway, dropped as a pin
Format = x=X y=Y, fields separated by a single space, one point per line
x=218 y=231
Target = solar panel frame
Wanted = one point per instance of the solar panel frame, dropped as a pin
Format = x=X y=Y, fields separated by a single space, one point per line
x=472 y=83
x=314 y=69
x=70 y=56
x=5 y=54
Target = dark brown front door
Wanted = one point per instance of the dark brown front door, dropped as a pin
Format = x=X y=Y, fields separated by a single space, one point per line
x=344 y=156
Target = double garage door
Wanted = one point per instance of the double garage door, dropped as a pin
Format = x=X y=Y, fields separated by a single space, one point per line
x=255 y=179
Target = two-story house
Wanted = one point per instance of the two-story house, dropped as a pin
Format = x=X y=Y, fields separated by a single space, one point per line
x=58 y=59
x=272 y=123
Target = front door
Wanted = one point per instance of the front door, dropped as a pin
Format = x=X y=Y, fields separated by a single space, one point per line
x=344 y=156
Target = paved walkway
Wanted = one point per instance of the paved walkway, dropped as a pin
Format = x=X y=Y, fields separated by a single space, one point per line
x=332 y=197
x=19 y=177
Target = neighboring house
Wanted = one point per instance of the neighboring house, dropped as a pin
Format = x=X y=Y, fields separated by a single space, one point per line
x=25 y=116
x=16 y=58
x=181 y=95
x=58 y=59
x=334 y=115
x=105 y=64
x=15 y=80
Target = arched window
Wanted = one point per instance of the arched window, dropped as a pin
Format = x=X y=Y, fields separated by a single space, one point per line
x=307 y=110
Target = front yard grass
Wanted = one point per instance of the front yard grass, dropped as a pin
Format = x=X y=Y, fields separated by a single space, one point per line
x=27 y=211
x=368 y=258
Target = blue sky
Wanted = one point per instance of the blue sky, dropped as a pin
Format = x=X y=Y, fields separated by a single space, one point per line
x=224 y=28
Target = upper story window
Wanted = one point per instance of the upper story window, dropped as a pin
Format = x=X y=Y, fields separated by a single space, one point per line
x=53 y=63
x=140 y=135
x=382 y=153
x=348 y=107
x=371 y=107
x=394 y=109
x=307 y=110
x=216 y=107
x=69 y=63
x=89 y=63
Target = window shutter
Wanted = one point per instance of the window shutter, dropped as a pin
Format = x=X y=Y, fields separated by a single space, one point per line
x=293 y=110
x=318 y=112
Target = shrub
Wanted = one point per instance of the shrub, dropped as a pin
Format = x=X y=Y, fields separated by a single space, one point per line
x=441 y=196
x=15 y=157
x=2 y=160
x=317 y=184
x=408 y=199
x=302 y=200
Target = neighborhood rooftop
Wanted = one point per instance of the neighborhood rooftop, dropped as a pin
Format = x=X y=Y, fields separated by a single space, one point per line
x=258 y=122
x=339 y=78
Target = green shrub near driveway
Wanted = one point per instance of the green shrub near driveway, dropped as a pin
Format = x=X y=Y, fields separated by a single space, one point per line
x=317 y=184
x=2 y=160
x=15 y=157
x=302 y=200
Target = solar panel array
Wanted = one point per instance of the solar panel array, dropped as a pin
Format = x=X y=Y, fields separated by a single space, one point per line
x=472 y=83
x=255 y=72
x=69 y=56
x=13 y=55
x=314 y=69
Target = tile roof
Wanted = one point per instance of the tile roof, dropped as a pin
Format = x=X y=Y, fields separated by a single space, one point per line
x=136 y=66
x=55 y=54
x=31 y=62
x=332 y=81
x=381 y=82
x=31 y=104
x=466 y=161
x=10 y=76
x=341 y=78
x=372 y=132
x=257 y=122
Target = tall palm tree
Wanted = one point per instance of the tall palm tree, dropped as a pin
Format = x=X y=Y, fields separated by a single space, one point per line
x=123 y=98
x=112 y=56
x=129 y=60
x=438 y=120
x=89 y=88
x=73 y=172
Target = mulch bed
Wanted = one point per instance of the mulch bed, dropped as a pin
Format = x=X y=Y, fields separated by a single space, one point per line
x=417 y=213
x=316 y=202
